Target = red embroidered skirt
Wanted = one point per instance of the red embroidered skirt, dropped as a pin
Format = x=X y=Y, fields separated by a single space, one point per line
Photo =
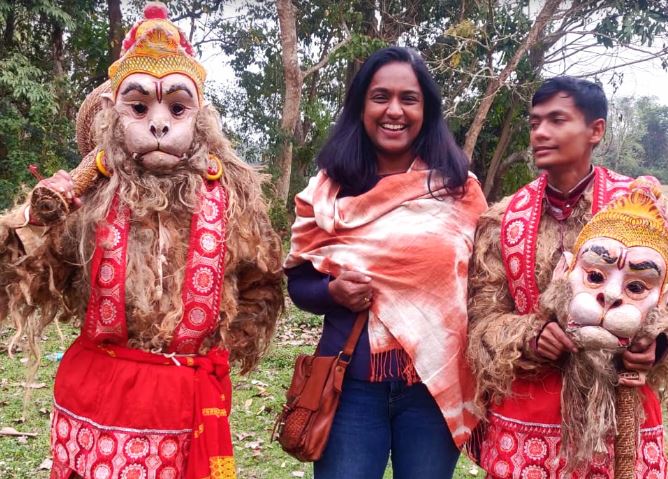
x=524 y=435
x=126 y=414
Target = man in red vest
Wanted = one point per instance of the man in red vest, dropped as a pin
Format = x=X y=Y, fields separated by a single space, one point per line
x=516 y=351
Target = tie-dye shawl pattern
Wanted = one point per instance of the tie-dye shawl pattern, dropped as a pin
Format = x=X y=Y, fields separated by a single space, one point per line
x=415 y=244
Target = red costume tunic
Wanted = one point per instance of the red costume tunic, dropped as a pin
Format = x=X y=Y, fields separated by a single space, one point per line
x=523 y=436
x=122 y=413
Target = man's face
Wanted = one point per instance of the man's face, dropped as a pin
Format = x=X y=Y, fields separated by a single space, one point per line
x=560 y=136
x=158 y=118
x=614 y=287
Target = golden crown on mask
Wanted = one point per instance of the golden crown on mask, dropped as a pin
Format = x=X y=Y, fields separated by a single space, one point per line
x=157 y=47
x=634 y=219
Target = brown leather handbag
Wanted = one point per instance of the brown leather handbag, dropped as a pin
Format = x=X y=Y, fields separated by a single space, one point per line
x=302 y=428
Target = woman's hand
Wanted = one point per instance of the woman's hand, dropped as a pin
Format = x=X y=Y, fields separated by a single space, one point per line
x=352 y=290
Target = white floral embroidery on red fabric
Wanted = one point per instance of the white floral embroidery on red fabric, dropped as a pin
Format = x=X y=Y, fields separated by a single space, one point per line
x=208 y=242
x=520 y=299
x=534 y=472
x=518 y=450
x=197 y=316
x=137 y=448
x=106 y=273
x=107 y=311
x=515 y=231
x=651 y=452
x=210 y=211
x=203 y=280
x=515 y=265
x=107 y=453
x=535 y=448
x=134 y=471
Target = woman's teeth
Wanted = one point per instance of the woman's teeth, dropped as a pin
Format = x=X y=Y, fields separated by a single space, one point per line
x=388 y=126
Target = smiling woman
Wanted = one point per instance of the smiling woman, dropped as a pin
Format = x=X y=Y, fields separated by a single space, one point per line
x=386 y=227
x=393 y=116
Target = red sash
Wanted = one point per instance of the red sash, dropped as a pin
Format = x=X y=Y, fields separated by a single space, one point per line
x=139 y=414
x=519 y=231
x=205 y=267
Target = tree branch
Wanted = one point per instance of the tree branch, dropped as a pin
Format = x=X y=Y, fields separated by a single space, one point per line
x=324 y=60
x=545 y=15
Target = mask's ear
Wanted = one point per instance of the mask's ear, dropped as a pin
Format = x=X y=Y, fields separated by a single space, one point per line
x=107 y=101
x=561 y=270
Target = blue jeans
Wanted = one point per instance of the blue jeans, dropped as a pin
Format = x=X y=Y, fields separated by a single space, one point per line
x=376 y=419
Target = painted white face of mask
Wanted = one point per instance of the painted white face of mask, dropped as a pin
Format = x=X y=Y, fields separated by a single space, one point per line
x=158 y=118
x=614 y=288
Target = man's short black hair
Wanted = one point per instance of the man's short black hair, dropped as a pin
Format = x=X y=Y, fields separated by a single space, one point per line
x=588 y=96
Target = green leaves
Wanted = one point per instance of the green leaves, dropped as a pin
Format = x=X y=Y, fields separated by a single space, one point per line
x=37 y=109
x=24 y=82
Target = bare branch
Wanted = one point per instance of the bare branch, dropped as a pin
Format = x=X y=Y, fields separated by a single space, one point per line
x=545 y=15
x=324 y=60
x=621 y=65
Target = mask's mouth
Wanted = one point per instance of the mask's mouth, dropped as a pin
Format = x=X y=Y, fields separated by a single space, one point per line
x=624 y=342
x=158 y=160
x=597 y=336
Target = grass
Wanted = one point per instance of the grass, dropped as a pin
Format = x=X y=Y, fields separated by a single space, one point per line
x=257 y=399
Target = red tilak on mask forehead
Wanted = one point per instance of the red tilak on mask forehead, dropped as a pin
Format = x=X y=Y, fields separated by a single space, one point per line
x=621 y=262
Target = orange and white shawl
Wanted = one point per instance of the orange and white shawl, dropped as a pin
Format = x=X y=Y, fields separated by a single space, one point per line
x=415 y=245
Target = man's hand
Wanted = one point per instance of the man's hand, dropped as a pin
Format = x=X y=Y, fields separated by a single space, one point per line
x=640 y=356
x=553 y=342
x=638 y=360
x=352 y=290
x=62 y=183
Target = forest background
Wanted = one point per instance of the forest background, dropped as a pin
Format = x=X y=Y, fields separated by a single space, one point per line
x=278 y=72
x=286 y=65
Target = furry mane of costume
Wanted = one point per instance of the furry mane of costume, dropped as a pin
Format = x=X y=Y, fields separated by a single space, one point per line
x=170 y=266
x=44 y=271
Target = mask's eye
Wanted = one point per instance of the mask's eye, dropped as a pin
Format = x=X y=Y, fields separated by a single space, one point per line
x=139 y=108
x=636 y=287
x=177 y=109
x=595 y=277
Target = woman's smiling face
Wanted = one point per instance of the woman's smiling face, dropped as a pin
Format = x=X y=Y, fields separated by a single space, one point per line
x=393 y=115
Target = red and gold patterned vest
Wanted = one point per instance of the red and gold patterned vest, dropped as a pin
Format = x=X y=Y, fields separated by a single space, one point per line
x=523 y=435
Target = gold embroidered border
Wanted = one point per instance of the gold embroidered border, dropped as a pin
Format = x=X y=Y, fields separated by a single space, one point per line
x=222 y=467
x=214 y=411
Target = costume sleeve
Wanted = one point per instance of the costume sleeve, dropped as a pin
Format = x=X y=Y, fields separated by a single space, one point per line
x=256 y=281
x=309 y=289
x=34 y=271
x=499 y=339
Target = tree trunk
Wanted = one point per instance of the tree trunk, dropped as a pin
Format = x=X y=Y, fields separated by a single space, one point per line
x=58 y=57
x=495 y=84
x=504 y=166
x=293 y=89
x=57 y=50
x=115 y=29
x=501 y=147
x=8 y=34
